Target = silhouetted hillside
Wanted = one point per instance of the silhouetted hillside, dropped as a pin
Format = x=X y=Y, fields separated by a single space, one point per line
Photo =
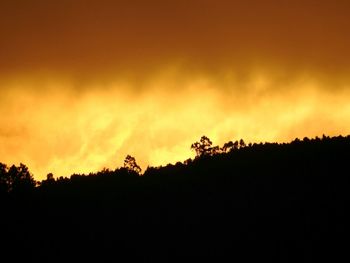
x=274 y=202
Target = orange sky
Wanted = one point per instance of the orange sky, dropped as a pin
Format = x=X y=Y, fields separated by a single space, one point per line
x=83 y=83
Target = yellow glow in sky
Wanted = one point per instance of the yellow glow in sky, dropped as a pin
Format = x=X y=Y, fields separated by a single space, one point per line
x=84 y=83
x=63 y=126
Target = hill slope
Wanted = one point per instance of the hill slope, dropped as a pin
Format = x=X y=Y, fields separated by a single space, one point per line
x=279 y=202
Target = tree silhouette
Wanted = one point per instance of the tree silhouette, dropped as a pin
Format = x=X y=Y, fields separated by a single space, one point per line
x=49 y=180
x=16 y=179
x=4 y=181
x=241 y=143
x=50 y=177
x=23 y=180
x=131 y=165
x=203 y=147
x=229 y=146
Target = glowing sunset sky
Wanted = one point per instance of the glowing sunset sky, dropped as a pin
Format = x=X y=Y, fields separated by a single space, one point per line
x=84 y=83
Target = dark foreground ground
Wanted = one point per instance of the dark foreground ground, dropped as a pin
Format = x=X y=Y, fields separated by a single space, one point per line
x=280 y=203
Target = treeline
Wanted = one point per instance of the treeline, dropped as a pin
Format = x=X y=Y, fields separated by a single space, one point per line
x=19 y=179
x=240 y=202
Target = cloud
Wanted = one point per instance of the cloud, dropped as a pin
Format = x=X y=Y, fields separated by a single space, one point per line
x=84 y=83
x=63 y=131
